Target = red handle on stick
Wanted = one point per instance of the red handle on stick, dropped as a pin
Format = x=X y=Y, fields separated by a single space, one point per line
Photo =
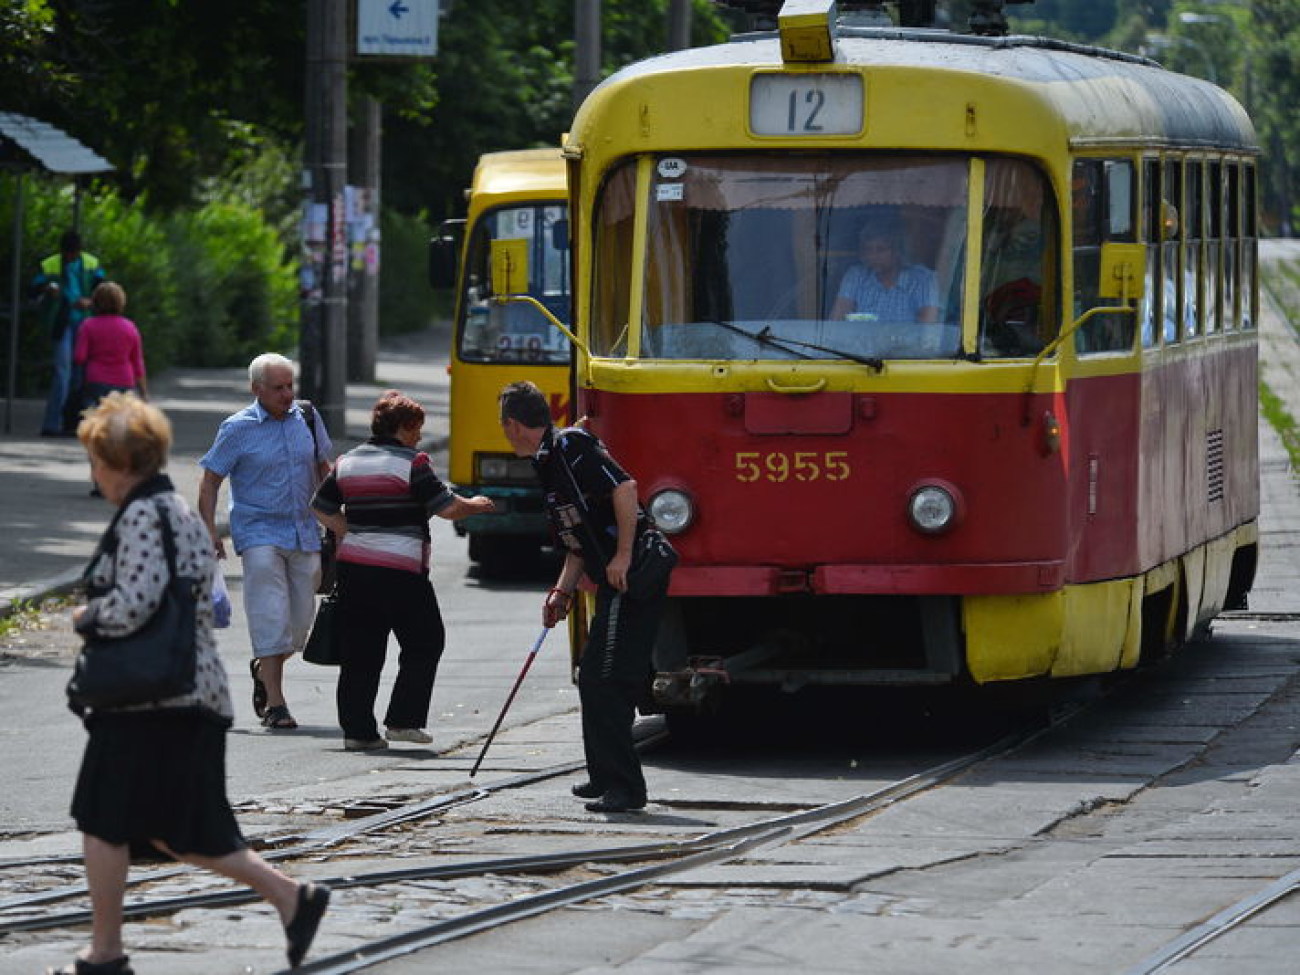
x=528 y=662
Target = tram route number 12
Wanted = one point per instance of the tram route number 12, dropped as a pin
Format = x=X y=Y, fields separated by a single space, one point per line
x=798 y=465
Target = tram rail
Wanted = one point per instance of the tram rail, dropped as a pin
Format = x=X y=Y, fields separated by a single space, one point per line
x=659 y=859
x=1215 y=927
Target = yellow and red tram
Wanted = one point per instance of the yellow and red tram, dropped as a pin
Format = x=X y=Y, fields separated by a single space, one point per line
x=1048 y=470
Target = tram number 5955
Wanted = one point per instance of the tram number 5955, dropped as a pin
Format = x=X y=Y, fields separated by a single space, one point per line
x=799 y=465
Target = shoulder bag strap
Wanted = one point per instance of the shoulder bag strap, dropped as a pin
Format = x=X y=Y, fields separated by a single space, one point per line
x=581 y=501
x=168 y=537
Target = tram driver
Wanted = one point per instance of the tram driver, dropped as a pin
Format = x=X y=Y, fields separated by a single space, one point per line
x=883 y=287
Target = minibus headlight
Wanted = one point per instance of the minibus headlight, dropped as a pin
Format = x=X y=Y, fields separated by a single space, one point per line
x=504 y=469
x=932 y=509
x=672 y=511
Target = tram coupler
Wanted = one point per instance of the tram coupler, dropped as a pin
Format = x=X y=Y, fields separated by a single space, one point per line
x=692 y=686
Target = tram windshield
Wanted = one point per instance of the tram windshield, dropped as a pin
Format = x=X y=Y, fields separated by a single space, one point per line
x=817 y=256
x=516 y=332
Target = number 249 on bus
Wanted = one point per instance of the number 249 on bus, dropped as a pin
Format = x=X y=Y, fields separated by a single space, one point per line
x=798 y=465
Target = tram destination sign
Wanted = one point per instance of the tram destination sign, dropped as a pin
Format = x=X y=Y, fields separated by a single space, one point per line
x=810 y=105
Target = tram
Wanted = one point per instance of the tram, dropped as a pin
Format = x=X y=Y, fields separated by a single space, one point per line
x=519 y=196
x=1035 y=458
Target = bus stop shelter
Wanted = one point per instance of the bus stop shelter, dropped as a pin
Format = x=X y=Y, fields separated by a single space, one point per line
x=28 y=144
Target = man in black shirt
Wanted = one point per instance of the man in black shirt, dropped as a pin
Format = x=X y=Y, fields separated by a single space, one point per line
x=592 y=505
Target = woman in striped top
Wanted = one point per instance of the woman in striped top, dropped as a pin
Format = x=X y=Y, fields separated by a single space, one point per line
x=378 y=500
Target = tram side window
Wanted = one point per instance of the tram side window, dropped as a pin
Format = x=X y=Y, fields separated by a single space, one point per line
x=1232 y=246
x=612 y=262
x=516 y=332
x=1152 y=231
x=1249 y=248
x=1215 y=267
x=1171 y=256
x=1194 y=268
x=1017 y=292
x=1103 y=205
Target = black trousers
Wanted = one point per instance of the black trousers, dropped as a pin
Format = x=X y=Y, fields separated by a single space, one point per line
x=613 y=676
x=373 y=603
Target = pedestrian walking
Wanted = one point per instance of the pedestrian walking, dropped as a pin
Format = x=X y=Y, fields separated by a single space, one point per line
x=108 y=349
x=592 y=505
x=274 y=455
x=62 y=287
x=378 y=501
x=152 y=783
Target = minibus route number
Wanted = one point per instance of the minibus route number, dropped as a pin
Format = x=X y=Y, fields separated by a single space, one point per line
x=779 y=466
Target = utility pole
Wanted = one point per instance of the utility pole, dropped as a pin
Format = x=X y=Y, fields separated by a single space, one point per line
x=364 y=244
x=679 y=25
x=586 y=57
x=323 y=339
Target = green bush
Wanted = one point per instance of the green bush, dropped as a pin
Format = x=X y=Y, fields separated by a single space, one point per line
x=206 y=287
x=406 y=302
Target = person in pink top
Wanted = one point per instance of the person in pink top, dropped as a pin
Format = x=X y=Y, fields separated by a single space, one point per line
x=109 y=351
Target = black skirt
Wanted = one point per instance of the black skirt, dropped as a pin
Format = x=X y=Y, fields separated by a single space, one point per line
x=157 y=775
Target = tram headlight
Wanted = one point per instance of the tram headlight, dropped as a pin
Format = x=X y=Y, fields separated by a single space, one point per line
x=672 y=511
x=932 y=509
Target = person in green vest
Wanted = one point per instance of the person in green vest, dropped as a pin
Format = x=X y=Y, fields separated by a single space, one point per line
x=62 y=288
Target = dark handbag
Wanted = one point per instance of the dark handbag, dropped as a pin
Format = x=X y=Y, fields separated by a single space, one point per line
x=324 y=643
x=153 y=663
x=329 y=565
x=653 y=559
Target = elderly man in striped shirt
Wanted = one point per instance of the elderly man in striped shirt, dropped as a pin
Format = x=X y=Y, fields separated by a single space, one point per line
x=274 y=452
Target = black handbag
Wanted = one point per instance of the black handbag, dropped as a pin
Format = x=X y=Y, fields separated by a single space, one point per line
x=329 y=563
x=155 y=662
x=653 y=559
x=324 y=643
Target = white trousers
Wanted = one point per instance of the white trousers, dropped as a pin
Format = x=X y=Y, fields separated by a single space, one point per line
x=279 y=598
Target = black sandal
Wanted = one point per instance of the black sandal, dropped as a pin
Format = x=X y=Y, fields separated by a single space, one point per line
x=312 y=901
x=279 y=718
x=79 y=966
x=259 y=688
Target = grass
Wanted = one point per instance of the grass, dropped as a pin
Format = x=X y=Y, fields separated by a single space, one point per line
x=22 y=615
x=1281 y=421
x=25 y=615
x=1282 y=282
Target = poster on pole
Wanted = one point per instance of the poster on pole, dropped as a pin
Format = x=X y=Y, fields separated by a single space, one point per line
x=397 y=27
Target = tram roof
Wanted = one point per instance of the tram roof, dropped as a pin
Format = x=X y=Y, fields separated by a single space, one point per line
x=1100 y=95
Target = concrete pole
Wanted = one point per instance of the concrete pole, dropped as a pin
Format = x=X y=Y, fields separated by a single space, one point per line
x=679 y=25
x=15 y=301
x=586 y=39
x=323 y=339
x=364 y=152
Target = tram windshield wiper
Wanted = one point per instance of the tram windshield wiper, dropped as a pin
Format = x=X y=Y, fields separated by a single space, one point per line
x=763 y=337
x=872 y=361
